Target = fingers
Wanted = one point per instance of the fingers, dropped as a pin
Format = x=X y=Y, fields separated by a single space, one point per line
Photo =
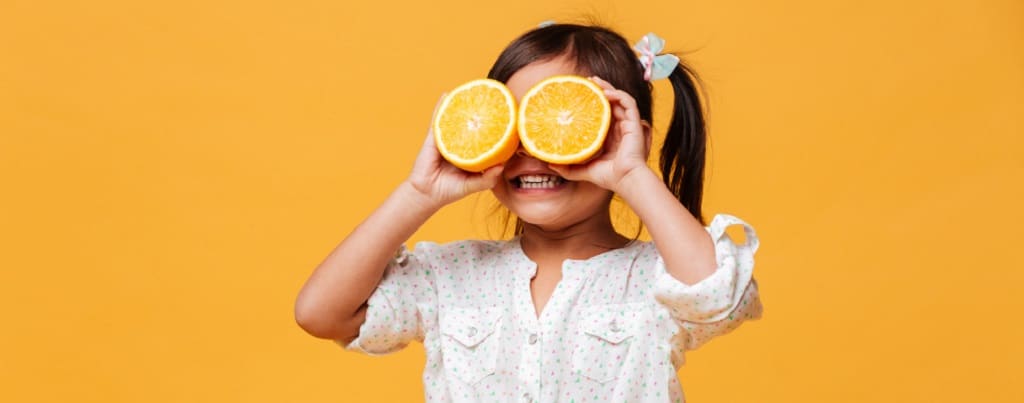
x=570 y=172
x=623 y=105
x=591 y=171
x=429 y=158
x=433 y=115
x=629 y=110
x=647 y=137
x=428 y=155
x=436 y=107
x=601 y=83
x=484 y=180
x=429 y=142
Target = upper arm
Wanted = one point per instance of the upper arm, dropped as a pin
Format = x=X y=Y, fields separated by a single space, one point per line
x=720 y=302
x=400 y=308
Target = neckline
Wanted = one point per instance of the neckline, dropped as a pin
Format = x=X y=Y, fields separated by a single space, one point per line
x=574 y=271
x=517 y=246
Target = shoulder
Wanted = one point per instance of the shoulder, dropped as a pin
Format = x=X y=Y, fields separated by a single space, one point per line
x=462 y=251
x=643 y=250
x=469 y=245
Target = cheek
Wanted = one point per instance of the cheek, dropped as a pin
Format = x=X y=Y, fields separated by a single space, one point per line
x=500 y=192
x=593 y=200
x=503 y=194
x=590 y=193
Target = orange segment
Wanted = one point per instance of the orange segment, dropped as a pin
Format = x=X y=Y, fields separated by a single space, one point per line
x=564 y=119
x=474 y=128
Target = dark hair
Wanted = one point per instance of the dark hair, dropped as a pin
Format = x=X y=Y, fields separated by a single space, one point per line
x=596 y=50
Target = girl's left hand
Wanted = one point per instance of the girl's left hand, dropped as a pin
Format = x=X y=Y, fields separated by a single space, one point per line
x=626 y=147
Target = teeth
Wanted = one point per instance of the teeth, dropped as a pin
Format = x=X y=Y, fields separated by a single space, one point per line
x=537 y=178
x=539 y=181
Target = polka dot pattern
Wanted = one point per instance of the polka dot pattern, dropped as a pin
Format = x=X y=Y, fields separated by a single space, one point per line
x=615 y=329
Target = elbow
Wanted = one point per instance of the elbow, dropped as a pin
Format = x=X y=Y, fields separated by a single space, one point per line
x=308 y=319
x=312 y=319
x=321 y=323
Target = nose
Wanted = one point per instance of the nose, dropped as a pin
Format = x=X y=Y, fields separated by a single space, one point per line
x=523 y=157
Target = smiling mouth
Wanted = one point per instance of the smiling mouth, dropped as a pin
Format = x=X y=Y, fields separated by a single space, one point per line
x=537 y=181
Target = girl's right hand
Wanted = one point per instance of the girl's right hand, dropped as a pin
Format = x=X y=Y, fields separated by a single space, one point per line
x=440 y=181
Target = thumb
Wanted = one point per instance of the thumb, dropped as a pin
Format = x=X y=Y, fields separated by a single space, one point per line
x=484 y=180
x=570 y=172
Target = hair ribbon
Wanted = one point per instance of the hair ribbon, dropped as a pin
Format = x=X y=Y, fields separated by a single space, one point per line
x=656 y=66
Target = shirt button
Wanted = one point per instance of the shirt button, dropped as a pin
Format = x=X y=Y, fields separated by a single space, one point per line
x=471 y=332
x=533 y=338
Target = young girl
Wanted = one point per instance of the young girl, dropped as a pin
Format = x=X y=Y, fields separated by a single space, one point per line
x=568 y=309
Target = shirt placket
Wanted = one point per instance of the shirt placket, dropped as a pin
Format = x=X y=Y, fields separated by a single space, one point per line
x=542 y=371
x=530 y=359
x=554 y=325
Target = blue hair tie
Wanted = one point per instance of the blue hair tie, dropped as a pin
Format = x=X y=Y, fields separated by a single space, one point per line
x=656 y=66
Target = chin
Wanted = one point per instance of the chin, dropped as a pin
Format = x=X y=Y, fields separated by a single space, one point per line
x=561 y=207
x=539 y=216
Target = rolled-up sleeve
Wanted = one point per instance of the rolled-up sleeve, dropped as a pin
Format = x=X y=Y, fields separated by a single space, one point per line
x=401 y=307
x=719 y=303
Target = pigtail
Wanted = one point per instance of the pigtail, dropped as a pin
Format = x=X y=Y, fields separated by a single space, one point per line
x=682 y=155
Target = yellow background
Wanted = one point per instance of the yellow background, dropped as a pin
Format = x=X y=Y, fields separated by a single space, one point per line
x=171 y=171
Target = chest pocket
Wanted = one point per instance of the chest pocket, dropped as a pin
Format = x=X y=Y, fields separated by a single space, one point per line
x=604 y=340
x=470 y=342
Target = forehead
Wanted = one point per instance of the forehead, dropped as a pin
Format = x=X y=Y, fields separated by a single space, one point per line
x=533 y=73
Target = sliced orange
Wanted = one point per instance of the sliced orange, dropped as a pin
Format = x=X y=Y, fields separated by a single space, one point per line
x=564 y=119
x=474 y=128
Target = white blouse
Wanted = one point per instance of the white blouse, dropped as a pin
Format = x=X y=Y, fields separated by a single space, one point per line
x=614 y=330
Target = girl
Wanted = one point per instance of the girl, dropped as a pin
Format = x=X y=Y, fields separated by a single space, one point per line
x=568 y=309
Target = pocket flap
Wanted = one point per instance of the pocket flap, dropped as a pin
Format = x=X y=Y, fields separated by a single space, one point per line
x=613 y=323
x=609 y=328
x=470 y=326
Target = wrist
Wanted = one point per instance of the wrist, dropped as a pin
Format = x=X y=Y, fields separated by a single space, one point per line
x=414 y=200
x=635 y=181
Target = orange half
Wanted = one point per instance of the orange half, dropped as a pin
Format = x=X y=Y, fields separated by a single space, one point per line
x=474 y=128
x=564 y=119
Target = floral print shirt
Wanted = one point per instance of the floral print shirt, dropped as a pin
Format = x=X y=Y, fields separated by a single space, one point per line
x=614 y=330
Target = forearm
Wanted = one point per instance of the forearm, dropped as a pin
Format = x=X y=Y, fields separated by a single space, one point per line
x=342 y=283
x=681 y=239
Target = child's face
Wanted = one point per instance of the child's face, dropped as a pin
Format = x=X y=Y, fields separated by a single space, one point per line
x=530 y=189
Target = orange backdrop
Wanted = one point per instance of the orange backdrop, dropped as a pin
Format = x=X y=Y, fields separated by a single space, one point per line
x=172 y=171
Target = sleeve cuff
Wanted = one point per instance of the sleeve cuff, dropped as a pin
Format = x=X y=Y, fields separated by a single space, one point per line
x=713 y=298
x=377 y=335
x=385 y=328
